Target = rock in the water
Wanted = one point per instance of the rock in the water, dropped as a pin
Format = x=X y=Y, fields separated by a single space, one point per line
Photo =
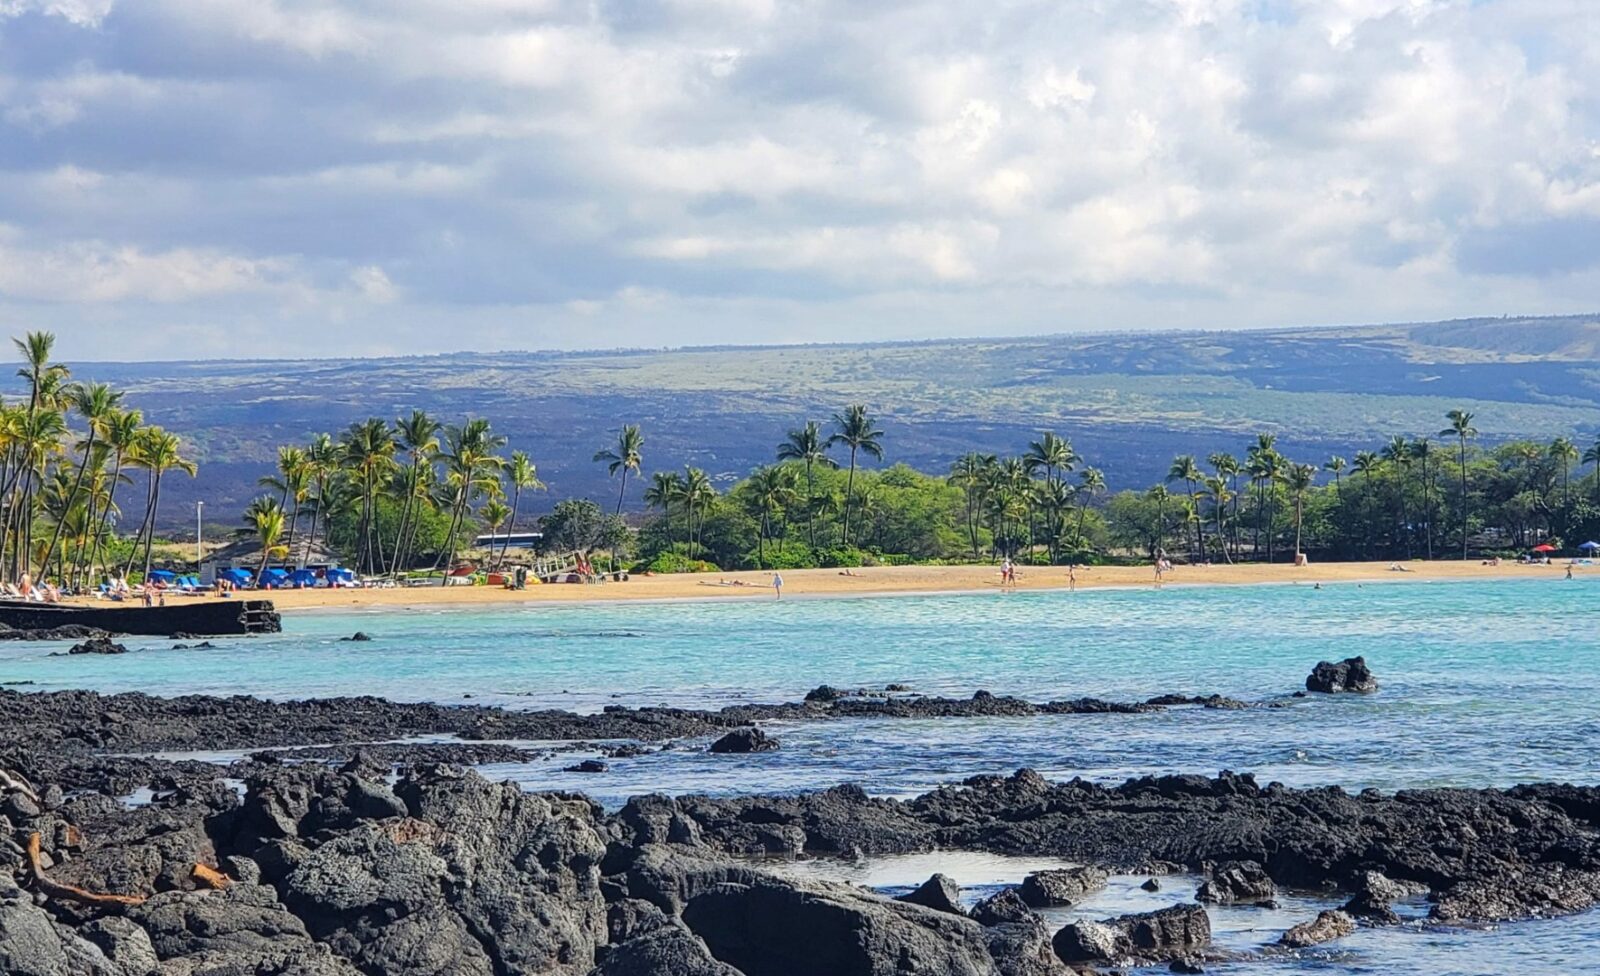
x=1002 y=908
x=588 y=766
x=1061 y=887
x=1237 y=882
x=938 y=893
x=1171 y=933
x=824 y=694
x=1151 y=884
x=359 y=636
x=772 y=927
x=1351 y=674
x=98 y=645
x=1186 y=966
x=745 y=740
x=1326 y=927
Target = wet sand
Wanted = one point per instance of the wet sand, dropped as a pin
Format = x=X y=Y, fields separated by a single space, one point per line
x=885 y=580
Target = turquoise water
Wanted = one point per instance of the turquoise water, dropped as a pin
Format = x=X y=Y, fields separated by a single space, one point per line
x=1483 y=684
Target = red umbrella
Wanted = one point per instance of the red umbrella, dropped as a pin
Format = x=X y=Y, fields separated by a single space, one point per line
x=1544 y=547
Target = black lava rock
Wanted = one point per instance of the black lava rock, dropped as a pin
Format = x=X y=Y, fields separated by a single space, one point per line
x=745 y=740
x=1349 y=675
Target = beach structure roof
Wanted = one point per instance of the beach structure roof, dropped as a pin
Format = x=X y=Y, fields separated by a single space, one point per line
x=246 y=554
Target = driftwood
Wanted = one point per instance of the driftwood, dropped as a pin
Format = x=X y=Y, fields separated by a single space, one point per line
x=67 y=892
x=209 y=877
x=13 y=782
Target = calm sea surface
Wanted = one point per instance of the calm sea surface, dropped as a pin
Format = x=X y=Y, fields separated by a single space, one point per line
x=1483 y=684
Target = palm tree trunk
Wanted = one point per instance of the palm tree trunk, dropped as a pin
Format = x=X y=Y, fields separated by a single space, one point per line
x=72 y=499
x=622 y=490
x=1463 y=499
x=849 y=496
x=150 y=534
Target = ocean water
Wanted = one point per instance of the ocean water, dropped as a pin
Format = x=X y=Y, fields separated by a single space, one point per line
x=1482 y=684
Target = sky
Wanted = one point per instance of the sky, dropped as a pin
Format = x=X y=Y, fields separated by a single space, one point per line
x=243 y=178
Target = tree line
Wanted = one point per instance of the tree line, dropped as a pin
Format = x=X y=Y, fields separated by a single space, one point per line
x=411 y=493
x=67 y=452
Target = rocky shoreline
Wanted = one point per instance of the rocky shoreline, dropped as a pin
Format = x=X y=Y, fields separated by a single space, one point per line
x=331 y=858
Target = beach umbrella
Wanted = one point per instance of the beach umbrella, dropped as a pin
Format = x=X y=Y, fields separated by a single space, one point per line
x=1544 y=547
x=1590 y=546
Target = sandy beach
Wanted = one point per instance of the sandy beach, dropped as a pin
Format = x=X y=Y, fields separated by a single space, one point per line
x=886 y=580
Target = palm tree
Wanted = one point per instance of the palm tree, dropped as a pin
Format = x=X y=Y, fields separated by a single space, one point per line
x=1422 y=451
x=1227 y=466
x=624 y=457
x=1335 y=466
x=322 y=462
x=264 y=520
x=857 y=431
x=1216 y=488
x=1366 y=465
x=293 y=483
x=494 y=514
x=1056 y=456
x=1300 y=478
x=1091 y=483
x=666 y=490
x=698 y=494
x=969 y=474
x=1261 y=463
x=1592 y=456
x=419 y=435
x=96 y=403
x=1564 y=452
x=44 y=380
x=157 y=452
x=1185 y=469
x=368 y=449
x=1398 y=453
x=807 y=446
x=1461 y=428
x=122 y=432
x=1161 y=496
x=524 y=476
x=774 y=489
x=472 y=468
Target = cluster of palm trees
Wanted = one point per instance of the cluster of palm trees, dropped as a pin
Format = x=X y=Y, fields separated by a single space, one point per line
x=64 y=453
x=1266 y=469
x=1031 y=499
x=412 y=468
x=776 y=491
x=1403 y=475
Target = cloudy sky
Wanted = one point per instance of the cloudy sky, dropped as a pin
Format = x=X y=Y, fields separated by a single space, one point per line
x=184 y=178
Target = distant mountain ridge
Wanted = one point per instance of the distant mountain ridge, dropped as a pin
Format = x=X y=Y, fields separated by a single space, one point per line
x=1129 y=401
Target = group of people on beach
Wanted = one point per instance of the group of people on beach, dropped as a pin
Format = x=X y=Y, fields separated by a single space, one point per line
x=27 y=589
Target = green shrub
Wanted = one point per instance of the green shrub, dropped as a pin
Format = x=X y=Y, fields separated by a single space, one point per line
x=672 y=562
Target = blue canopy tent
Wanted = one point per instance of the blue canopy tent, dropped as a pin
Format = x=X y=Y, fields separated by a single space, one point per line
x=273 y=576
x=238 y=577
x=301 y=577
x=338 y=577
x=1590 y=546
x=166 y=577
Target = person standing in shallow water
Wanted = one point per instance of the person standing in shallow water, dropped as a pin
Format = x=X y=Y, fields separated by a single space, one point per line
x=777 y=586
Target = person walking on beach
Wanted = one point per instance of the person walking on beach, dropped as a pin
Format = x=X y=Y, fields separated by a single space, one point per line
x=777 y=586
x=1007 y=574
x=1072 y=576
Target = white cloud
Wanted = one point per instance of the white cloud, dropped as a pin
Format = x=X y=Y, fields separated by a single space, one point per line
x=655 y=172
